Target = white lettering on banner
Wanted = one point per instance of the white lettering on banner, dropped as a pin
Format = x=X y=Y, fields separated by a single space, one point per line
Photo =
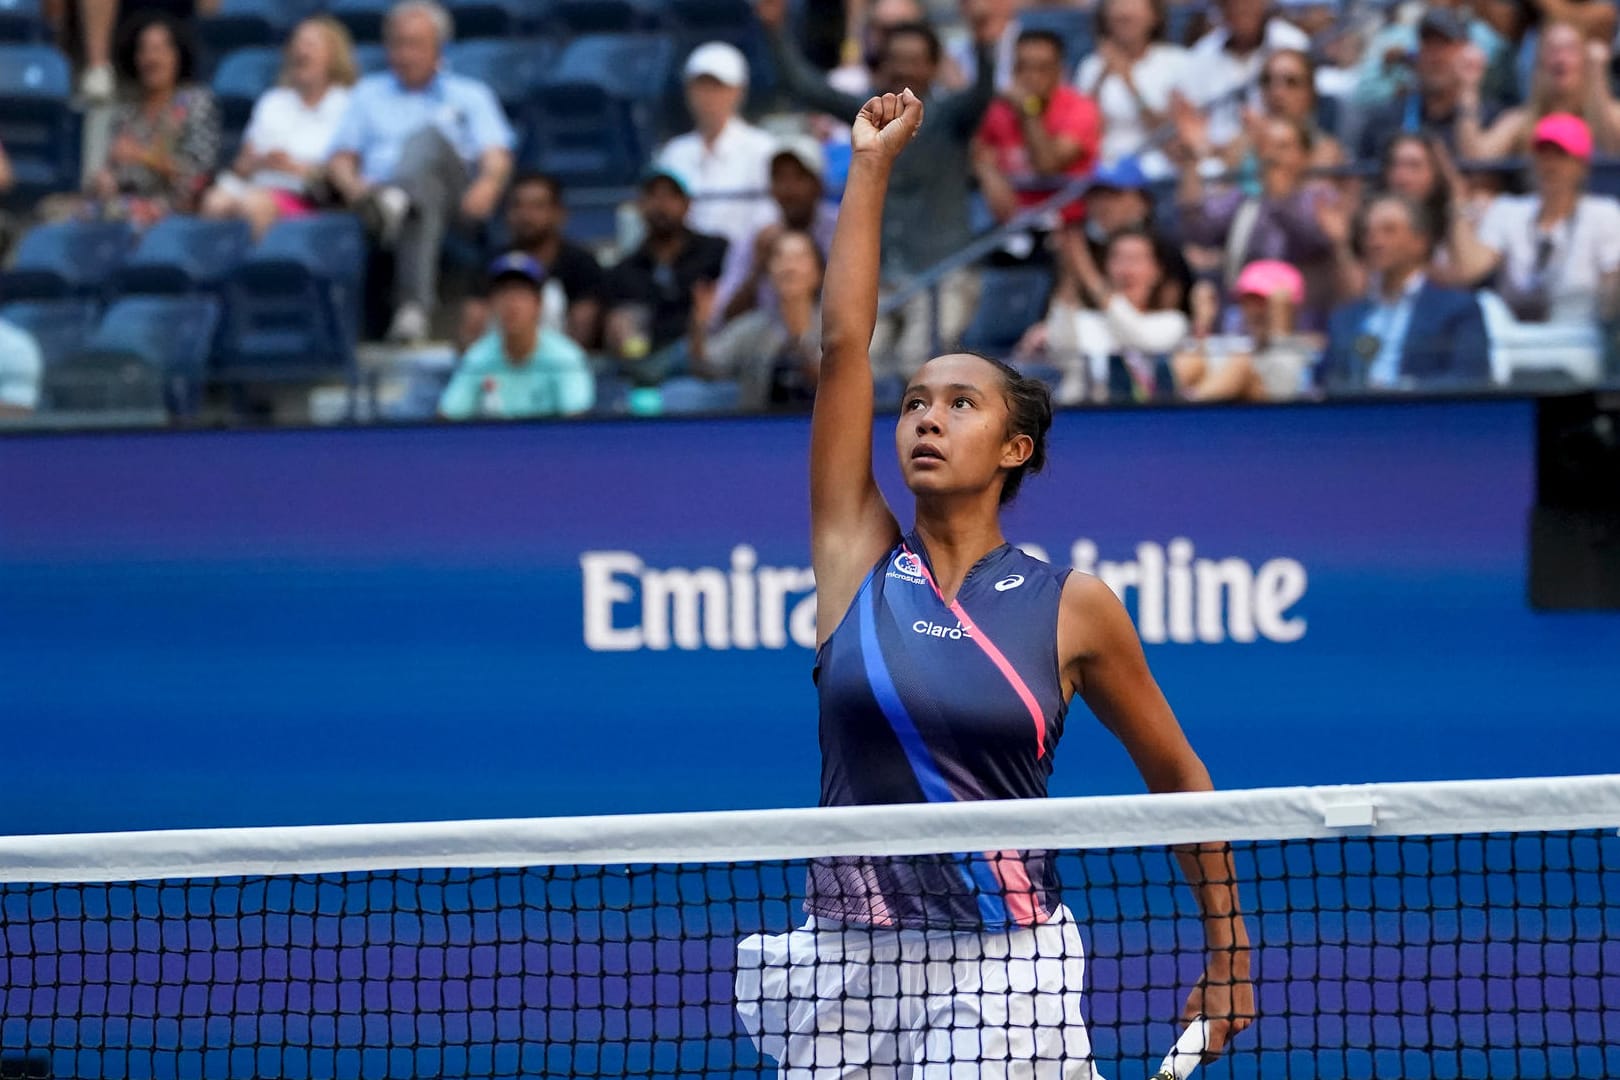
x=1175 y=596
x=630 y=606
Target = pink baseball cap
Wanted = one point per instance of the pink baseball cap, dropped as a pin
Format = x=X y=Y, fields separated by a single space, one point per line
x=1267 y=276
x=1567 y=132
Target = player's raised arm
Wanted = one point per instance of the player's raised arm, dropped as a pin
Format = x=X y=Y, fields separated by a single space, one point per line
x=850 y=524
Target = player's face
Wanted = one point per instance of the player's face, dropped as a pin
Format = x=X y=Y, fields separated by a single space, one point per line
x=952 y=434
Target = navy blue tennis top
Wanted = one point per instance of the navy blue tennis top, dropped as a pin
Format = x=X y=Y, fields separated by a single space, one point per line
x=924 y=701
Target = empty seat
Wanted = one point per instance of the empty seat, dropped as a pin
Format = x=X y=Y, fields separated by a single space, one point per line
x=1011 y=300
x=68 y=259
x=172 y=336
x=184 y=255
x=61 y=327
x=608 y=16
x=592 y=122
x=22 y=21
x=363 y=18
x=97 y=382
x=38 y=126
x=294 y=304
x=241 y=23
x=498 y=18
x=242 y=77
x=513 y=70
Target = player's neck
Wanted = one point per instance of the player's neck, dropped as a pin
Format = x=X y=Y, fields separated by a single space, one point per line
x=957 y=532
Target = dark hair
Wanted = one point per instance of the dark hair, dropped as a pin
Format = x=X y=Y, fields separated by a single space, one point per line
x=526 y=177
x=1040 y=36
x=1437 y=204
x=1170 y=294
x=1417 y=215
x=1161 y=20
x=916 y=29
x=129 y=39
x=1029 y=412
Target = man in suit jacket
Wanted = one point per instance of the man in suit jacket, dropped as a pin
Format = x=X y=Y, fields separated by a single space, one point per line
x=1407 y=332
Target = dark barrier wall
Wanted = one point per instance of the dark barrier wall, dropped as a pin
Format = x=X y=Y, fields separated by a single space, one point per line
x=350 y=625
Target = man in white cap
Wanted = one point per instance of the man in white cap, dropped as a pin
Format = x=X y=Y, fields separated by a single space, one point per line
x=725 y=160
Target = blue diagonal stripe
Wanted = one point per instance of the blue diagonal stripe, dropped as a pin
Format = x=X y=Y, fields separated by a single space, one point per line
x=980 y=878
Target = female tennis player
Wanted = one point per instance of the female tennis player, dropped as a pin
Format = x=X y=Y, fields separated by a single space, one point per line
x=946 y=663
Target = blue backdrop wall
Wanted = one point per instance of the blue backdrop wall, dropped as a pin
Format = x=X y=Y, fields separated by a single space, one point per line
x=373 y=624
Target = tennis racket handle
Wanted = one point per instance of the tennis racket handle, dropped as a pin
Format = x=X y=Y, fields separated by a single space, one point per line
x=1188 y=1053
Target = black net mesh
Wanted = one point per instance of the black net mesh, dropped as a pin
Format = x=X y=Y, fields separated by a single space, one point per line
x=1445 y=956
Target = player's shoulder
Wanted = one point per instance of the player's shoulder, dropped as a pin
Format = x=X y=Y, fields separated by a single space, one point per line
x=1028 y=568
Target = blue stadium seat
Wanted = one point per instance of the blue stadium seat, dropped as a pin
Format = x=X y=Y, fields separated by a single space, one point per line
x=173 y=335
x=513 y=69
x=238 y=82
x=68 y=259
x=61 y=327
x=38 y=126
x=106 y=382
x=684 y=394
x=1605 y=177
x=612 y=395
x=241 y=23
x=293 y=307
x=185 y=255
x=1011 y=301
x=498 y=18
x=593 y=213
x=1076 y=26
x=577 y=17
x=592 y=120
x=22 y=21
x=363 y=18
x=371 y=57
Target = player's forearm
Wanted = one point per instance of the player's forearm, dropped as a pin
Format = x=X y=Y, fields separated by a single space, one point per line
x=850 y=297
x=1210 y=873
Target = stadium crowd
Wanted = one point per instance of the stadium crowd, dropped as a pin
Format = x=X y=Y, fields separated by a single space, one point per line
x=1250 y=200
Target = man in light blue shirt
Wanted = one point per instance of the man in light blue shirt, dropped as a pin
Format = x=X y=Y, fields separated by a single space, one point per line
x=519 y=369
x=416 y=146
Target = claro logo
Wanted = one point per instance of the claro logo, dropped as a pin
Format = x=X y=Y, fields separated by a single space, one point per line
x=1176 y=596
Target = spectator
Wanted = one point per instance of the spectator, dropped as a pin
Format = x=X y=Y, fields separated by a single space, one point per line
x=1131 y=76
x=417 y=146
x=796 y=188
x=1288 y=90
x=520 y=368
x=21 y=367
x=1571 y=77
x=1415 y=167
x=775 y=352
x=1279 y=223
x=1267 y=360
x=571 y=296
x=7 y=177
x=1040 y=136
x=863 y=50
x=1223 y=68
x=663 y=292
x=162 y=145
x=95 y=25
x=1407 y=332
x=726 y=160
x=1436 y=103
x=995 y=21
x=1394 y=56
x=925 y=218
x=1555 y=257
x=1115 y=343
x=1117 y=199
x=290 y=133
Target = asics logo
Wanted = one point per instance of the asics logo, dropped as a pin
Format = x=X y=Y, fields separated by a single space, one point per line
x=933 y=629
x=1011 y=582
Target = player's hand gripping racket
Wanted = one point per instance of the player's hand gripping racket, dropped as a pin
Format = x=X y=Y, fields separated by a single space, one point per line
x=1188 y=1053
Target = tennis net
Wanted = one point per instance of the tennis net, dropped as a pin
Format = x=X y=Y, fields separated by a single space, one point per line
x=1403 y=930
